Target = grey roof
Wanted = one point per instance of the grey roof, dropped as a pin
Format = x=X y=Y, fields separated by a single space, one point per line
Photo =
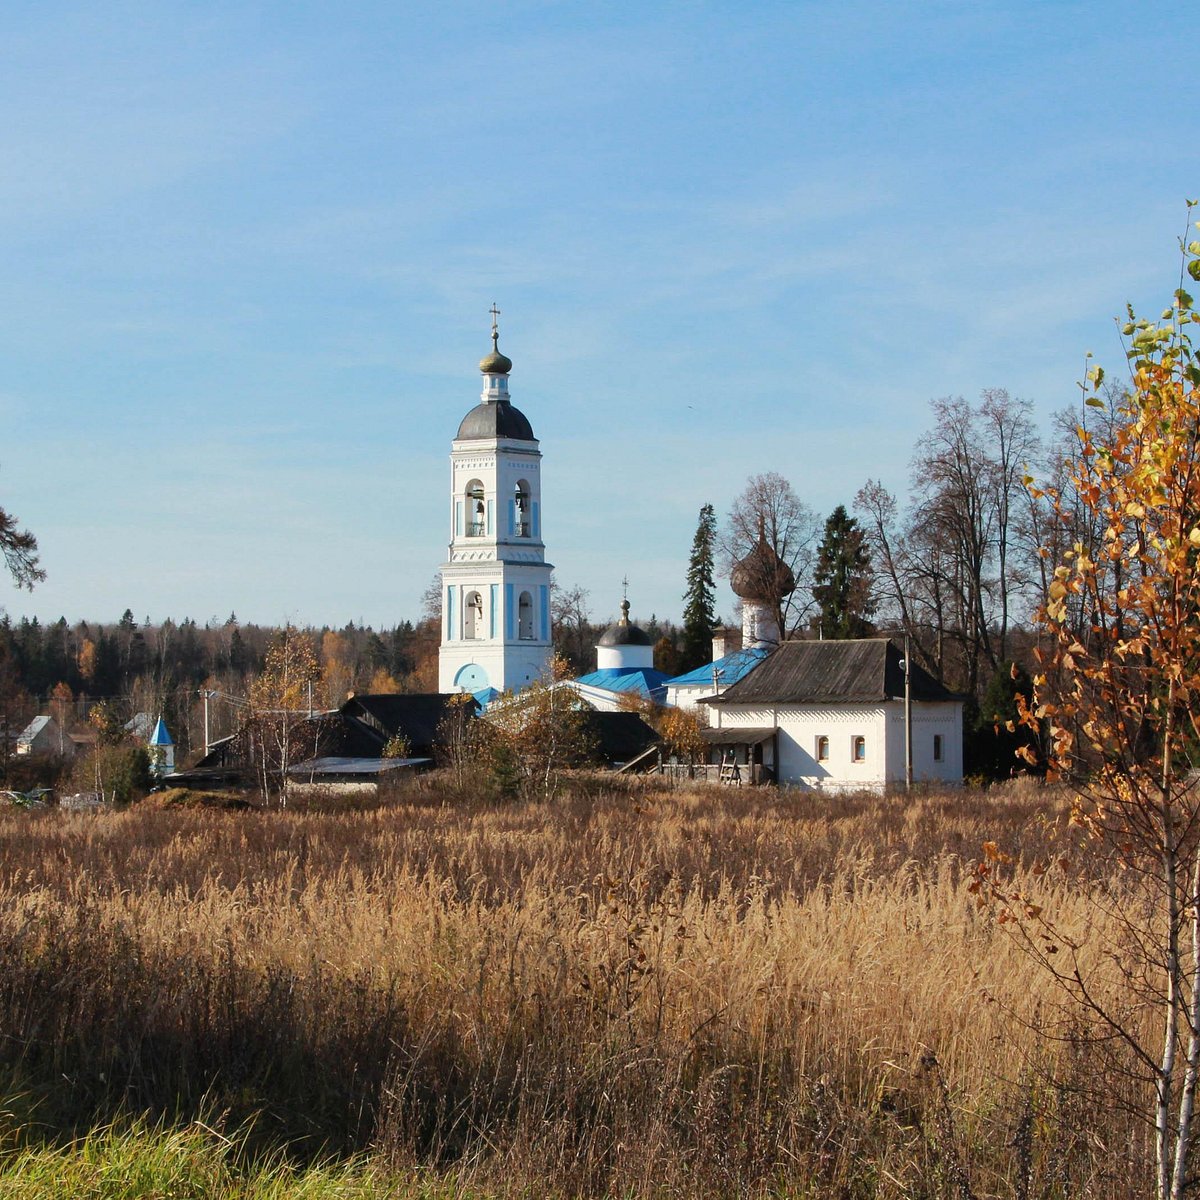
x=737 y=737
x=352 y=766
x=498 y=419
x=33 y=729
x=139 y=725
x=865 y=670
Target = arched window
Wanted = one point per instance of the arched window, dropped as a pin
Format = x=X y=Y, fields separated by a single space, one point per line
x=525 y=617
x=476 y=512
x=858 y=749
x=473 y=615
x=822 y=749
x=521 y=510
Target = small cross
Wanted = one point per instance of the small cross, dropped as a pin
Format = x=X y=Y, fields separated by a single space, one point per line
x=495 y=313
x=625 y=588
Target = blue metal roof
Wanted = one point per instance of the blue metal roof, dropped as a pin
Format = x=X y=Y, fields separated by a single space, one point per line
x=729 y=669
x=160 y=736
x=642 y=681
x=486 y=695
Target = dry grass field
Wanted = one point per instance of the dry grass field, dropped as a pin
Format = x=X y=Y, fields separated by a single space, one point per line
x=630 y=993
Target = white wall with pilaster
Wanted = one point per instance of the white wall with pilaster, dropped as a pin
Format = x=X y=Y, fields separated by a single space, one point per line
x=496 y=581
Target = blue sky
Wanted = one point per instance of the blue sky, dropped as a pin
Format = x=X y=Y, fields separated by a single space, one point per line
x=250 y=248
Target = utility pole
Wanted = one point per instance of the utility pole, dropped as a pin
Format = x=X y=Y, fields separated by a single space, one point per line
x=205 y=693
x=908 y=766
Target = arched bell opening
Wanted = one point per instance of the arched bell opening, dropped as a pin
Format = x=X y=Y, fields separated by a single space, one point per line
x=521 y=509
x=476 y=509
x=473 y=615
x=525 y=617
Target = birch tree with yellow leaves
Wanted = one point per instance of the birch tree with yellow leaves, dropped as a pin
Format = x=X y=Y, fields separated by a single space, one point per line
x=1118 y=691
x=281 y=700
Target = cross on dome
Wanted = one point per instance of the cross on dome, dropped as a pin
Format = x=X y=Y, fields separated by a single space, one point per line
x=495 y=363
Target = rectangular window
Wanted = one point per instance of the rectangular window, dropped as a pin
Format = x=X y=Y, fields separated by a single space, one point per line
x=937 y=747
x=858 y=748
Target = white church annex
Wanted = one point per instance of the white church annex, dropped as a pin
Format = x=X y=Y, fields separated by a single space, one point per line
x=496 y=581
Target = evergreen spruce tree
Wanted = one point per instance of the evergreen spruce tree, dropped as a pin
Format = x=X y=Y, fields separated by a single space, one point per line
x=997 y=745
x=842 y=580
x=699 y=619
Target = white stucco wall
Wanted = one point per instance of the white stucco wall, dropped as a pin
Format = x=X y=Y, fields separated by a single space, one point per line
x=882 y=728
x=625 y=658
x=688 y=699
x=928 y=721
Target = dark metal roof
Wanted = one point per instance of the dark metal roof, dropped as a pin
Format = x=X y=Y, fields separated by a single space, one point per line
x=415 y=715
x=498 y=419
x=737 y=737
x=868 y=669
x=618 y=736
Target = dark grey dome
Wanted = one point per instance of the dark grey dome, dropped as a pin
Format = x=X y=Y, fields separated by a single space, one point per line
x=623 y=633
x=497 y=419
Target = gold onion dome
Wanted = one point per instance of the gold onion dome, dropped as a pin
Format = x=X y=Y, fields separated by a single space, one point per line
x=495 y=363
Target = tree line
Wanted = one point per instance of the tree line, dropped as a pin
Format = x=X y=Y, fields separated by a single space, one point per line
x=961 y=565
x=164 y=668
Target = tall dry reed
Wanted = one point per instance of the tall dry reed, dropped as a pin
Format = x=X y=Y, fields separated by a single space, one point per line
x=635 y=993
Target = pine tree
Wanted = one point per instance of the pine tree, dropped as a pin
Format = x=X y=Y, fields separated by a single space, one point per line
x=842 y=580
x=20 y=551
x=699 y=619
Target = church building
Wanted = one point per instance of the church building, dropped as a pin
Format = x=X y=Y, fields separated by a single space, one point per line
x=496 y=581
x=624 y=668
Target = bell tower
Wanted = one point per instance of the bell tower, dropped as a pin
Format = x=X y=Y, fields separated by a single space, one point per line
x=496 y=581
